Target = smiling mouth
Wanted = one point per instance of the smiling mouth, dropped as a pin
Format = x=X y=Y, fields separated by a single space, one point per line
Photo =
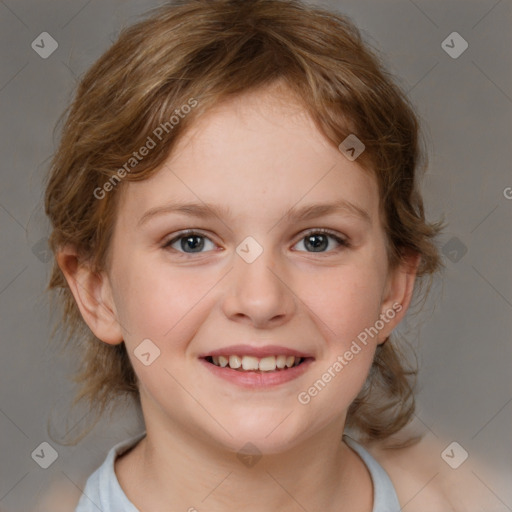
x=253 y=364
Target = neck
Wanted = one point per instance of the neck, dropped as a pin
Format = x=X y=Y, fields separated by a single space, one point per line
x=173 y=467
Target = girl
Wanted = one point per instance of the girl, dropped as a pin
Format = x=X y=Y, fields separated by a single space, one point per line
x=238 y=225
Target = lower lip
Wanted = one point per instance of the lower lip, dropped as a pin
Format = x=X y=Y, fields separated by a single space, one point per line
x=252 y=379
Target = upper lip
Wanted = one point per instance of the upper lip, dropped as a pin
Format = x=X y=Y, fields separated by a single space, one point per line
x=248 y=350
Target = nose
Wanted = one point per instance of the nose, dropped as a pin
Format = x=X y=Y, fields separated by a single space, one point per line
x=259 y=293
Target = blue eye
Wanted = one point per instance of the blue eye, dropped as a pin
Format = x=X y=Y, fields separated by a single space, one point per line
x=193 y=242
x=189 y=240
x=318 y=240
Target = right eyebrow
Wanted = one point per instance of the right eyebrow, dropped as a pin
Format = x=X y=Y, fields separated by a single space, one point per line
x=200 y=210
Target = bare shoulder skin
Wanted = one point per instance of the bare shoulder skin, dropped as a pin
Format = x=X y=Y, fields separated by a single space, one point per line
x=60 y=496
x=425 y=482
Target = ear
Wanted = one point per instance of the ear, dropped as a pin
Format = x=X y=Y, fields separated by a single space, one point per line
x=398 y=294
x=93 y=295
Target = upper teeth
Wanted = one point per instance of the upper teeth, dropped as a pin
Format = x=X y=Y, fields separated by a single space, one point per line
x=264 y=364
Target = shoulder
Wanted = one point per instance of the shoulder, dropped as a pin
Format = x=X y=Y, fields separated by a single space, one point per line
x=425 y=482
x=101 y=491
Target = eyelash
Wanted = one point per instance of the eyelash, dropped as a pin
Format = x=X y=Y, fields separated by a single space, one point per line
x=344 y=243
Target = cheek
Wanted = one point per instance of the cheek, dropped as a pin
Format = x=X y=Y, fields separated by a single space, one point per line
x=158 y=303
x=344 y=301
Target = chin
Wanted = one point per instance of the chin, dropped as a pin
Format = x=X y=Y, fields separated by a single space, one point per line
x=264 y=431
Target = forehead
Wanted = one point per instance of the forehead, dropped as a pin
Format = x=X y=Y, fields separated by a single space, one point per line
x=258 y=149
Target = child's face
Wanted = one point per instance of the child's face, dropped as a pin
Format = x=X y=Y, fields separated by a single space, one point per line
x=257 y=159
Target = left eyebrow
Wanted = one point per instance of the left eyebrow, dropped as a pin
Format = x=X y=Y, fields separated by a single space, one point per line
x=307 y=212
x=313 y=211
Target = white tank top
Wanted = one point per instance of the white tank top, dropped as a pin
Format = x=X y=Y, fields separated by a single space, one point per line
x=384 y=495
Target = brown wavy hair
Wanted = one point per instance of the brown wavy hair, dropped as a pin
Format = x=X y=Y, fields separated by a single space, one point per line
x=208 y=51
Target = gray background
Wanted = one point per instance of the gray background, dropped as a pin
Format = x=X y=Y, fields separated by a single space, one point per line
x=462 y=335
